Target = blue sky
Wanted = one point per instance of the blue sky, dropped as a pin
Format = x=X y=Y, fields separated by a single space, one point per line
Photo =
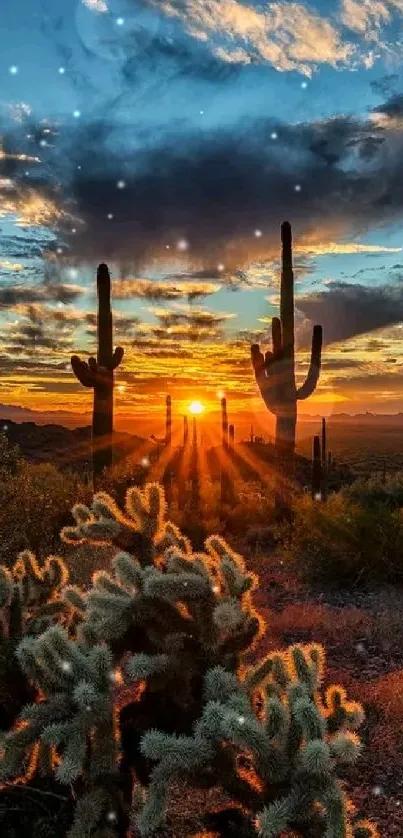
x=171 y=139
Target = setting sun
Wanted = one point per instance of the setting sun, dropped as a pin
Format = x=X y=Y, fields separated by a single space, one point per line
x=196 y=408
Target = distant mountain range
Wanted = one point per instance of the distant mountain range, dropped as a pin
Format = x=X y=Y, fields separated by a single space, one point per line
x=65 y=438
x=77 y=420
x=65 y=447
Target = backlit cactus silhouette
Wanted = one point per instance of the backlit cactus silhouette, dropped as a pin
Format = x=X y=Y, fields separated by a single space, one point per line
x=275 y=371
x=325 y=460
x=224 y=423
x=99 y=374
x=168 y=421
x=185 y=431
x=317 y=470
x=275 y=743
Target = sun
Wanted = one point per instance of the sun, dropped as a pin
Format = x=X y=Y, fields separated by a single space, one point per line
x=196 y=408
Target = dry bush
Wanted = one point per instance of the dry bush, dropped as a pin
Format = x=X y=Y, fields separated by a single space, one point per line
x=339 y=542
x=35 y=503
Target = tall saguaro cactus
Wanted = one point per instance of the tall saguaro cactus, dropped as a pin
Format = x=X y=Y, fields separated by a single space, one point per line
x=99 y=374
x=275 y=371
x=168 y=421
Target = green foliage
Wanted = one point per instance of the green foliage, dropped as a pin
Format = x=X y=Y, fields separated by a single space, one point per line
x=30 y=601
x=148 y=665
x=35 y=503
x=294 y=737
x=378 y=490
x=340 y=542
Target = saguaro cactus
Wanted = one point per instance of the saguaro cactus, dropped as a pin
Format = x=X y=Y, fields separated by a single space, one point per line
x=194 y=469
x=185 y=431
x=275 y=371
x=324 y=444
x=168 y=421
x=99 y=374
x=325 y=467
x=316 y=470
x=231 y=438
x=224 y=423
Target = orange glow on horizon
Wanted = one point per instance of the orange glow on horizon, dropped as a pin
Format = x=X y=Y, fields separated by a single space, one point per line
x=196 y=408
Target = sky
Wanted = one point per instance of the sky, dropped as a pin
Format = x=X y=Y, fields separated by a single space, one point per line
x=170 y=138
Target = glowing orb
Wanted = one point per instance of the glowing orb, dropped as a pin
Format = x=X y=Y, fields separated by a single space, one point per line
x=196 y=408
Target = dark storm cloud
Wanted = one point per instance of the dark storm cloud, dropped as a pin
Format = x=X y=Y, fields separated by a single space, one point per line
x=216 y=189
x=393 y=107
x=346 y=310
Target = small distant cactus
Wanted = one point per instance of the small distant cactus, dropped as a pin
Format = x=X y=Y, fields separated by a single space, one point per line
x=99 y=374
x=224 y=423
x=275 y=371
x=316 y=470
x=225 y=477
x=185 y=431
x=168 y=422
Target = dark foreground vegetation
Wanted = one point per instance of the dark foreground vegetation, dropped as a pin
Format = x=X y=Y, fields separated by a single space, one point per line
x=203 y=673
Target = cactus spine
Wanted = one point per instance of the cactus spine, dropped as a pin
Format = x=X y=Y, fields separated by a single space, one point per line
x=99 y=374
x=275 y=371
x=316 y=470
x=168 y=421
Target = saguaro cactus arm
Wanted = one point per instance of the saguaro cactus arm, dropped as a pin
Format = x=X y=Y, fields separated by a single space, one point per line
x=268 y=368
x=312 y=378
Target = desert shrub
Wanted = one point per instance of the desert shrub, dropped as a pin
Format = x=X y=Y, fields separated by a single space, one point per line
x=35 y=503
x=147 y=667
x=340 y=542
x=378 y=490
x=9 y=456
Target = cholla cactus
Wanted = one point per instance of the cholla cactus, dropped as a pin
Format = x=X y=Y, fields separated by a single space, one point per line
x=292 y=738
x=154 y=670
x=73 y=730
x=30 y=601
x=140 y=527
x=164 y=603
